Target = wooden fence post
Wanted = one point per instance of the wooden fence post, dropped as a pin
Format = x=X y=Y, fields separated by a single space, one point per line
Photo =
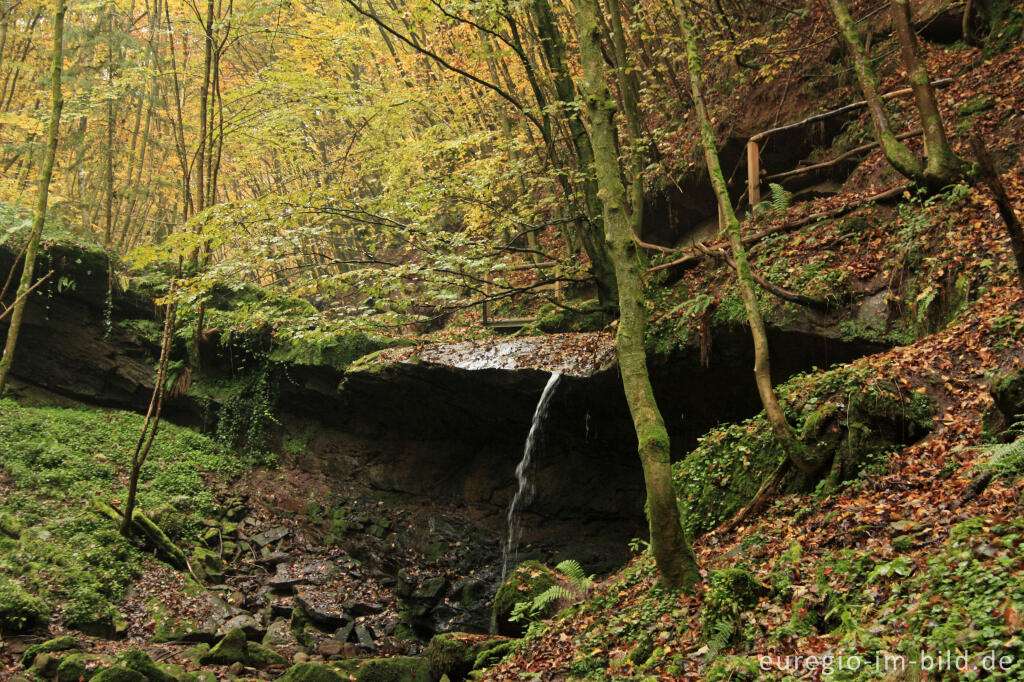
x=753 y=174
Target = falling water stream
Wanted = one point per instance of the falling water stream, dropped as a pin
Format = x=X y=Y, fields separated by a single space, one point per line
x=525 y=491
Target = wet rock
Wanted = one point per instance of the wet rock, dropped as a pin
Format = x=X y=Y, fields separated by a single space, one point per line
x=274 y=558
x=345 y=632
x=278 y=634
x=330 y=647
x=357 y=609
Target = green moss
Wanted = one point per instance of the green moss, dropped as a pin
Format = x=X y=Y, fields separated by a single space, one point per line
x=587 y=316
x=137 y=660
x=49 y=646
x=20 y=612
x=338 y=350
x=78 y=667
x=310 y=672
x=847 y=412
x=119 y=673
x=398 y=669
x=455 y=654
x=529 y=580
x=233 y=648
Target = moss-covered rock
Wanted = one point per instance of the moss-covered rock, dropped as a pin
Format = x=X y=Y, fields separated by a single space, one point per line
x=91 y=612
x=338 y=351
x=731 y=591
x=77 y=667
x=207 y=566
x=455 y=653
x=399 y=669
x=49 y=646
x=493 y=655
x=311 y=672
x=139 y=661
x=1008 y=397
x=234 y=648
x=529 y=580
x=20 y=612
x=119 y=673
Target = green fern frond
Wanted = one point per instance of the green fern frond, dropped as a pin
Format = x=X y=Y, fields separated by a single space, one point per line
x=572 y=570
x=721 y=635
x=552 y=594
x=779 y=203
x=1007 y=459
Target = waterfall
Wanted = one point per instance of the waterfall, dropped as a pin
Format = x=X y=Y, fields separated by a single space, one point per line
x=524 y=493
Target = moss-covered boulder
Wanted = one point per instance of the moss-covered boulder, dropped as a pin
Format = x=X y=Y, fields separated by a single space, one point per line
x=20 y=612
x=234 y=648
x=731 y=591
x=140 y=662
x=47 y=647
x=455 y=653
x=849 y=414
x=75 y=667
x=311 y=672
x=92 y=613
x=119 y=673
x=398 y=669
x=528 y=581
x=207 y=566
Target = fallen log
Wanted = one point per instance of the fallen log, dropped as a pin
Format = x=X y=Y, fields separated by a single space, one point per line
x=155 y=537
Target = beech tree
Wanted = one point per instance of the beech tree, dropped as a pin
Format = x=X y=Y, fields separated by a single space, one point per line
x=796 y=451
x=942 y=166
x=42 y=197
x=671 y=551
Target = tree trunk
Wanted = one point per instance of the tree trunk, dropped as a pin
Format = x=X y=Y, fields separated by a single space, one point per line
x=942 y=166
x=45 y=173
x=671 y=552
x=794 y=449
x=901 y=158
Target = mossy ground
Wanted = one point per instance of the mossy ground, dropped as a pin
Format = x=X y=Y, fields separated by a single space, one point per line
x=64 y=555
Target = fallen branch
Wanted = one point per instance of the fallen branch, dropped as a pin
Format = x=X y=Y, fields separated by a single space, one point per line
x=154 y=535
x=8 y=309
x=839 y=159
x=695 y=255
x=812 y=302
x=841 y=110
x=761 y=497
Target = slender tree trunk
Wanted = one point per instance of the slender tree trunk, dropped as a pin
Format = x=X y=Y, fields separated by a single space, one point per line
x=898 y=154
x=794 y=449
x=942 y=166
x=590 y=227
x=45 y=173
x=672 y=553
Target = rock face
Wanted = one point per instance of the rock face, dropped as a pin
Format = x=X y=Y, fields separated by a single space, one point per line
x=65 y=346
x=440 y=425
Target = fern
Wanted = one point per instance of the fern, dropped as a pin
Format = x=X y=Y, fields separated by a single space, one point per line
x=550 y=595
x=779 y=202
x=721 y=635
x=572 y=570
x=1007 y=459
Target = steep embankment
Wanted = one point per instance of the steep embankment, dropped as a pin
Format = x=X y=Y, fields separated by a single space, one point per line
x=897 y=558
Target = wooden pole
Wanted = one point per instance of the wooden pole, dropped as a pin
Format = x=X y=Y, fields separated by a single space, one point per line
x=753 y=173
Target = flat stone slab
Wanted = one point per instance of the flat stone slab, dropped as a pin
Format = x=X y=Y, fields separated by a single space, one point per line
x=574 y=354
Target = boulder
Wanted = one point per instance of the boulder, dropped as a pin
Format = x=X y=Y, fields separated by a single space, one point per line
x=76 y=667
x=119 y=673
x=140 y=662
x=208 y=566
x=49 y=646
x=234 y=648
x=528 y=581
x=311 y=672
x=455 y=653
